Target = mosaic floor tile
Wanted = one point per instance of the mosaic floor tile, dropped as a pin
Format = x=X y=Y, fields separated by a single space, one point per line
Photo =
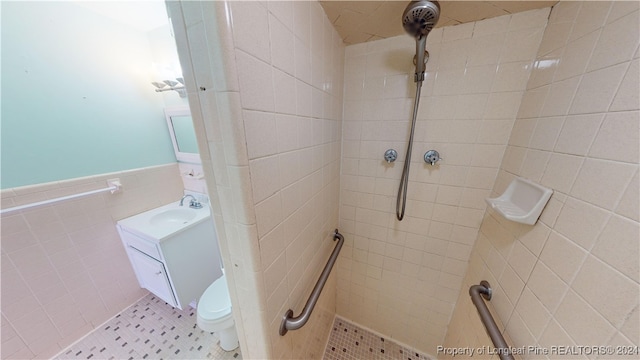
x=350 y=342
x=150 y=329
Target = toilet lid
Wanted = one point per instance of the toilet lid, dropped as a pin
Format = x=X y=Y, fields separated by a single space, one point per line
x=215 y=302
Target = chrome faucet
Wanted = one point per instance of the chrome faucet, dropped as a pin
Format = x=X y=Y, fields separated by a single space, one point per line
x=194 y=203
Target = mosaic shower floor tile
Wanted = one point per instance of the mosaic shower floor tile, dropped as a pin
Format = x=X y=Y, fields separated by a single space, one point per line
x=348 y=341
x=150 y=329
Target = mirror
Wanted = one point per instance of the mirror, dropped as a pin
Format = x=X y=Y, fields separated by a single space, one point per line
x=183 y=135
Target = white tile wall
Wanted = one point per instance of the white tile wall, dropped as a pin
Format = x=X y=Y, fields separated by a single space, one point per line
x=402 y=278
x=64 y=269
x=272 y=120
x=585 y=245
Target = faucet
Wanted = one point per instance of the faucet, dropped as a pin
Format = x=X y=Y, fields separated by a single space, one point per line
x=194 y=203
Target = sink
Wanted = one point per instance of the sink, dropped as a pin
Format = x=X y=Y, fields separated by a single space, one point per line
x=173 y=216
x=165 y=221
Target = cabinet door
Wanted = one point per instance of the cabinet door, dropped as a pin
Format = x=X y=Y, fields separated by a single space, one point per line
x=152 y=275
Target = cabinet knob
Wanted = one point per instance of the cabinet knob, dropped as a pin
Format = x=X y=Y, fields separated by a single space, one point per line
x=159 y=273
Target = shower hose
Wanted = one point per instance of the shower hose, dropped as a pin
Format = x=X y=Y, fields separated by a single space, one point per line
x=401 y=201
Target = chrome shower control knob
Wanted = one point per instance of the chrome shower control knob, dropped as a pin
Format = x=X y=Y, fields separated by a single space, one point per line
x=390 y=155
x=432 y=157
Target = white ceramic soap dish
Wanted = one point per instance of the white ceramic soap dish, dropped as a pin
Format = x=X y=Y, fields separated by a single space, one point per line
x=522 y=202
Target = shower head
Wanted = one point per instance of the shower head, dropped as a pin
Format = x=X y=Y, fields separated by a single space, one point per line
x=418 y=20
x=420 y=17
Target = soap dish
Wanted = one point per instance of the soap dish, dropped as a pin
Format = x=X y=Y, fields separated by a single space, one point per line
x=522 y=202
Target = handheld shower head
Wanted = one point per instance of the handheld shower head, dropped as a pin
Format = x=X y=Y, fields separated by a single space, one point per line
x=420 y=17
x=418 y=20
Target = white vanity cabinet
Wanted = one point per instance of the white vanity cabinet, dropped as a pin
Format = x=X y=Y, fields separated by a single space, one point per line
x=176 y=262
x=152 y=275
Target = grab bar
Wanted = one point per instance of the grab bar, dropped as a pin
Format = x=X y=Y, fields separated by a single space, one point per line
x=114 y=185
x=478 y=292
x=294 y=323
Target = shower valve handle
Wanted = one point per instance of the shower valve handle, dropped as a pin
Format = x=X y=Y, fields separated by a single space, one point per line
x=390 y=155
x=432 y=157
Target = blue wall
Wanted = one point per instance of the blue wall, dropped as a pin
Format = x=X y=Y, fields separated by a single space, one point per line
x=76 y=97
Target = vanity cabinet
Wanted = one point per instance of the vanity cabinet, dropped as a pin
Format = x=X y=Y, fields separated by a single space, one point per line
x=178 y=267
x=152 y=275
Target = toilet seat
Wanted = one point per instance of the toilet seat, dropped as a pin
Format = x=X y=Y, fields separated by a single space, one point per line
x=214 y=314
x=215 y=303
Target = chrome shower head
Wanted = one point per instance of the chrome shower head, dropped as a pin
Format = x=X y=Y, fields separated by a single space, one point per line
x=418 y=20
x=420 y=17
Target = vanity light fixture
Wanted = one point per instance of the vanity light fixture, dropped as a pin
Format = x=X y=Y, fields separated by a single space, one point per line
x=172 y=85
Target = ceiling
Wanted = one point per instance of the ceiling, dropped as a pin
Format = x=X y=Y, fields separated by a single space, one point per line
x=361 y=21
x=355 y=21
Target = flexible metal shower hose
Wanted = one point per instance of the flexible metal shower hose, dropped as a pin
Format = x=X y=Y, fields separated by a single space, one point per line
x=401 y=201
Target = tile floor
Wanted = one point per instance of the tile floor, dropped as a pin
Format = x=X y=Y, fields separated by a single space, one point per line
x=150 y=329
x=350 y=342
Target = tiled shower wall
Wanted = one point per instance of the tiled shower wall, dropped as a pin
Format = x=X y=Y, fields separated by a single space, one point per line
x=402 y=278
x=265 y=89
x=572 y=278
x=64 y=269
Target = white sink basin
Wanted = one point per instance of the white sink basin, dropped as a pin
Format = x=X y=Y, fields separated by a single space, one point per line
x=161 y=223
x=173 y=216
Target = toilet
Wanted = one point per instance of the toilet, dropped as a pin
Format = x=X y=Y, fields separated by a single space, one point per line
x=214 y=313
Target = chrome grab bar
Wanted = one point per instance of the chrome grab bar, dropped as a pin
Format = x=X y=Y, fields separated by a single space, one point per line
x=294 y=323
x=478 y=292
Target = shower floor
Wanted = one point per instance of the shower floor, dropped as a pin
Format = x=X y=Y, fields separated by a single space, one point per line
x=150 y=329
x=351 y=342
